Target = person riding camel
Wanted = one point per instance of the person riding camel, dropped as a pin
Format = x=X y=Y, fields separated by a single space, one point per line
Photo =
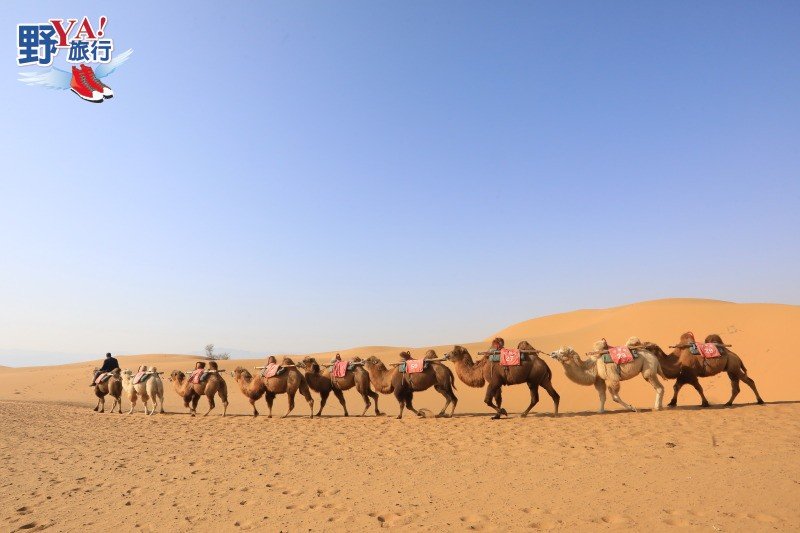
x=109 y=364
x=198 y=373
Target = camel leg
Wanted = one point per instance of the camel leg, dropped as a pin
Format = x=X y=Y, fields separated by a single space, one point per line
x=613 y=388
x=679 y=383
x=367 y=403
x=211 y=403
x=113 y=405
x=734 y=377
x=253 y=403
x=752 y=384
x=340 y=397
x=399 y=394
x=699 y=389
x=374 y=395
x=659 y=391
x=269 y=397
x=441 y=390
x=323 y=399
x=498 y=401
x=290 y=395
x=410 y=403
x=534 y=388
x=548 y=386
x=102 y=404
x=161 y=404
x=119 y=404
x=306 y=393
x=490 y=394
x=600 y=387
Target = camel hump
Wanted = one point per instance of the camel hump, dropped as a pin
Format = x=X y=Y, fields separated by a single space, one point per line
x=714 y=338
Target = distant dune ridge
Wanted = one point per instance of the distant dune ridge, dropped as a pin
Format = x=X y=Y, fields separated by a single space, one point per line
x=67 y=468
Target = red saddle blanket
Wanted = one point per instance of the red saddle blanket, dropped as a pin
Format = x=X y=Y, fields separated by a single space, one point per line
x=102 y=377
x=271 y=370
x=510 y=357
x=339 y=369
x=415 y=366
x=138 y=377
x=620 y=354
x=708 y=350
x=195 y=377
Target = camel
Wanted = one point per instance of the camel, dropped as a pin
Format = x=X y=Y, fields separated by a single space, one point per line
x=322 y=382
x=533 y=371
x=151 y=388
x=594 y=371
x=112 y=386
x=288 y=382
x=191 y=392
x=686 y=368
x=403 y=386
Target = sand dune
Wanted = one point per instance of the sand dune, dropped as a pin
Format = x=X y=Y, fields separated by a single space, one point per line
x=67 y=468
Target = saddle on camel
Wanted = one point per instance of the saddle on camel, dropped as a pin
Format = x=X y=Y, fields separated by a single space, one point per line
x=339 y=367
x=201 y=373
x=618 y=355
x=272 y=368
x=498 y=353
x=707 y=350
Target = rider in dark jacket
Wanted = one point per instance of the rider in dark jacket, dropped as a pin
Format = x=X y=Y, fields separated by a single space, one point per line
x=109 y=364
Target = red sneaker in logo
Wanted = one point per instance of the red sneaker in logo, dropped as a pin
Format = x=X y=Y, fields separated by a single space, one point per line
x=95 y=83
x=80 y=86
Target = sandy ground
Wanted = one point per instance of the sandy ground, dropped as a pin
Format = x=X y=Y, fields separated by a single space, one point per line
x=65 y=467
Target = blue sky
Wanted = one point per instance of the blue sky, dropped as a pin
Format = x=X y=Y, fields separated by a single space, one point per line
x=302 y=176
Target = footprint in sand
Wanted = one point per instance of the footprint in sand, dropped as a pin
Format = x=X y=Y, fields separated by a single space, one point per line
x=676 y=522
x=475 y=522
x=545 y=525
x=764 y=518
x=616 y=519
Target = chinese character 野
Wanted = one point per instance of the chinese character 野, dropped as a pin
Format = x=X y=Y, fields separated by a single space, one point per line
x=36 y=44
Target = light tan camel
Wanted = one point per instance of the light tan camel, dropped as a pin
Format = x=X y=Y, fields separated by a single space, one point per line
x=686 y=368
x=191 y=392
x=152 y=388
x=532 y=371
x=403 y=386
x=593 y=371
x=322 y=381
x=113 y=387
x=288 y=382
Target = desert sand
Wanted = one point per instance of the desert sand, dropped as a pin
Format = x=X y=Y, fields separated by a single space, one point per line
x=66 y=467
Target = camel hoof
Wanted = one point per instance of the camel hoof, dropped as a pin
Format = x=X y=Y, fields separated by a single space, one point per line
x=496 y=417
x=347 y=414
x=523 y=415
x=503 y=412
x=672 y=404
x=705 y=404
x=728 y=404
x=760 y=401
x=380 y=414
x=398 y=417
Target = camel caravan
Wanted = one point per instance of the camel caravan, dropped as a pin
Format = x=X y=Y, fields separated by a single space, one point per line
x=605 y=368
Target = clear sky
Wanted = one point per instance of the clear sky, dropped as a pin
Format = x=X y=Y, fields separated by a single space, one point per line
x=300 y=176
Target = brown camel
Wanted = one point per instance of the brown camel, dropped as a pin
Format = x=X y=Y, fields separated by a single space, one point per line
x=533 y=371
x=288 y=382
x=403 y=386
x=113 y=387
x=322 y=382
x=686 y=368
x=191 y=392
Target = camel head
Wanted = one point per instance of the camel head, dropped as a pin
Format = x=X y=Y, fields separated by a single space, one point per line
x=177 y=376
x=240 y=373
x=127 y=374
x=458 y=353
x=566 y=355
